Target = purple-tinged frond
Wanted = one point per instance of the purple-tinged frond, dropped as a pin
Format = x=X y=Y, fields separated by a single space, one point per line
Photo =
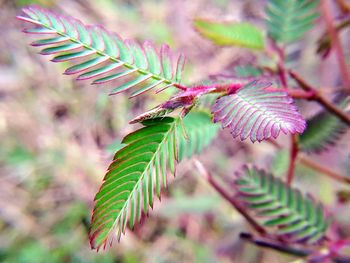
x=255 y=112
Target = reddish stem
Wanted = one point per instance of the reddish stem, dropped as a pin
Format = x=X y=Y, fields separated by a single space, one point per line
x=320 y=99
x=298 y=251
x=344 y=5
x=295 y=144
x=325 y=170
x=181 y=87
x=299 y=94
x=231 y=199
x=293 y=158
x=316 y=166
x=282 y=69
x=296 y=94
x=328 y=17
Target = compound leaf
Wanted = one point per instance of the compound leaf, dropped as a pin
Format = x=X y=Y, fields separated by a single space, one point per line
x=140 y=168
x=101 y=55
x=284 y=211
x=255 y=112
x=132 y=178
x=288 y=21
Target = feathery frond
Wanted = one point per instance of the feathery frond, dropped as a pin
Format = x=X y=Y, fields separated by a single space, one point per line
x=283 y=210
x=139 y=169
x=135 y=174
x=100 y=55
x=288 y=21
x=198 y=132
x=255 y=112
x=323 y=130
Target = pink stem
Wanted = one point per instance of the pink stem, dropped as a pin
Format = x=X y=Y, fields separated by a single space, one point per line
x=344 y=116
x=293 y=158
x=295 y=144
x=327 y=14
x=231 y=199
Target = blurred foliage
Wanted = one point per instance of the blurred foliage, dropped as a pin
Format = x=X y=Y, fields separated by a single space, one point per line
x=37 y=2
x=324 y=130
x=233 y=33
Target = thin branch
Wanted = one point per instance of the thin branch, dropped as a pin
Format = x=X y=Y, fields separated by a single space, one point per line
x=324 y=170
x=320 y=99
x=313 y=254
x=295 y=142
x=294 y=150
x=344 y=5
x=316 y=166
x=300 y=94
x=282 y=70
x=272 y=244
x=229 y=198
x=328 y=17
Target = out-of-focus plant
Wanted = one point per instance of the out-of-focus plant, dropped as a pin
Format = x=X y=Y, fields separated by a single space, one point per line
x=249 y=106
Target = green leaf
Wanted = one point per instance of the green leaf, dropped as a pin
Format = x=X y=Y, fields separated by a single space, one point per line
x=323 y=130
x=288 y=21
x=231 y=34
x=198 y=132
x=139 y=167
x=105 y=52
x=131 y=179
x=284 y=211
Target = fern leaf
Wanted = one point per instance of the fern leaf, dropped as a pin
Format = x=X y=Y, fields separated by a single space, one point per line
x=285 y=211
x=231 y=34
x=198 y=132
x=324 y=130
x=132 y=178
x=100 y=55
x=140 y=169
x=255 y=112
x=288 y=21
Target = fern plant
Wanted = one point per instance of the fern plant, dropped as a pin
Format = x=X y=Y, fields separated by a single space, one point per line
x=255 y=106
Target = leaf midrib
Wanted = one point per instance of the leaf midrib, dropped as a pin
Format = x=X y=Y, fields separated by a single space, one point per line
x=121 y=211
x=266 y=112
x=101 y=53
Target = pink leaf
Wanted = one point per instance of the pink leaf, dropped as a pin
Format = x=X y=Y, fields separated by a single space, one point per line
x=255 y=112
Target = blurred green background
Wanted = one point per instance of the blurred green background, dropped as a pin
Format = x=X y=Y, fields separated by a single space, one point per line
x=58 y=136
